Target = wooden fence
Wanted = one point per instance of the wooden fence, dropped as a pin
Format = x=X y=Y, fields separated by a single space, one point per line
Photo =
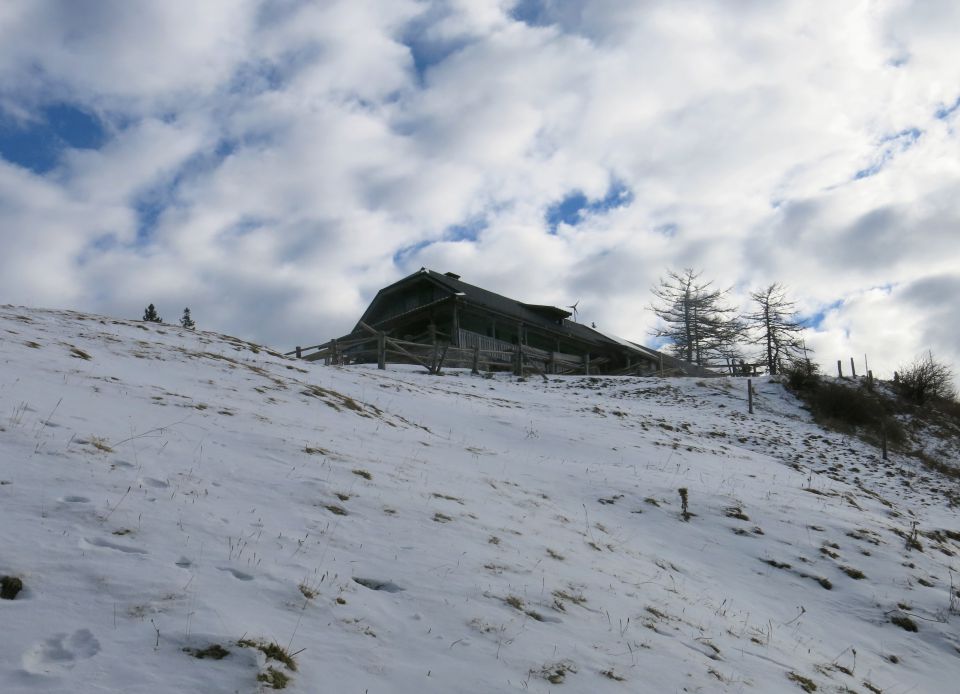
x=369 y=345
x=434 y=351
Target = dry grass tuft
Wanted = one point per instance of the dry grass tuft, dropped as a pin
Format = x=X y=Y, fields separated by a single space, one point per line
x=272 y=650
x=904 y=622
x=100 y=444
x=805 y=683
x=77 y=353
x=274 y=678
x=214 y=651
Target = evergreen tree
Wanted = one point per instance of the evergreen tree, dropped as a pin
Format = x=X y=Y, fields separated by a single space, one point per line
x=775 y=326
x=150 y=315
x=186 y=321
x=695 y=318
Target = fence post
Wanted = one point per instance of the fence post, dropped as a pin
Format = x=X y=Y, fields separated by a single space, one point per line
x=476 y=360
x=750 y=395
x=299 y=355
x=381 y=350
x=870 y=378
x=883 y=441
x=586 y=364
x=853 y=368
x=839 y=368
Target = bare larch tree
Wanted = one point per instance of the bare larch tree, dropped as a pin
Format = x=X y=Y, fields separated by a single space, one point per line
x=775 y=326
x=695 y=318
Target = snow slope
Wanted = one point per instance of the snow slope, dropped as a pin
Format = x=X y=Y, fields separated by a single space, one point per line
x=163 y=490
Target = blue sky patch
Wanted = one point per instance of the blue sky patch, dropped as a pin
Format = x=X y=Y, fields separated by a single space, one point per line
x=149 y=207
x=945 y=112
x=38 y=144
x=573 y=208
x=430 y=50
x=532 y=12
x=407 y=252
x=815 y=320
x=891 y=146
x=468 y=231
x=426 y=54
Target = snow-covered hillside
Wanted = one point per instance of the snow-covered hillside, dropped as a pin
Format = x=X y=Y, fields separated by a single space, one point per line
x=163 y=491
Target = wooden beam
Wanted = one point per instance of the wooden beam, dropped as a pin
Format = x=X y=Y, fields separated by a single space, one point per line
x=396 y=346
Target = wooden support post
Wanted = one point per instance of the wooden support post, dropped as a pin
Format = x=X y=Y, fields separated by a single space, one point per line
x=750 y=395
x=476 y=360
x=518 y=361
x=883 y=442
x=443 y=355
x=870 y=378
x=334 y=352
x=661 y=365
x=839 y=368
x=455 y=326
x=586 y=364
x=435 y=356
x=853 y=368
x=299 y=354
x=381 y=350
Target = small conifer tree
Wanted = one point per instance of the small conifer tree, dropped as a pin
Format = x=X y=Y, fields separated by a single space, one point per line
x=186 y=321
x=150 y=315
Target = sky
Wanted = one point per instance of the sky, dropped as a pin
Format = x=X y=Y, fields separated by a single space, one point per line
x=272 y=163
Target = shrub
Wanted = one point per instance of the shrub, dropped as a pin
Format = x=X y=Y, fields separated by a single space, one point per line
x=802 y=374
x=847 y=408
x=10 y=586
x=925 y=380
x=840 y=403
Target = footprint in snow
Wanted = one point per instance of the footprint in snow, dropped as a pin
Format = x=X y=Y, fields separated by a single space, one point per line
x=152 y=482
x=239 y=575
x=60 y=652
x=100 y=543
x=73 y=499
x=376 y=584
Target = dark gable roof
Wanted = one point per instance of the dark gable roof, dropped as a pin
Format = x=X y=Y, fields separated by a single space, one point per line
x=531 y=314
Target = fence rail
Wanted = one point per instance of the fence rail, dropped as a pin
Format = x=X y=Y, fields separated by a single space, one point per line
x=434 y=351
x=369 y=344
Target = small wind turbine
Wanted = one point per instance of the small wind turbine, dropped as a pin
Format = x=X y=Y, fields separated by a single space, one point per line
x=574 y=309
